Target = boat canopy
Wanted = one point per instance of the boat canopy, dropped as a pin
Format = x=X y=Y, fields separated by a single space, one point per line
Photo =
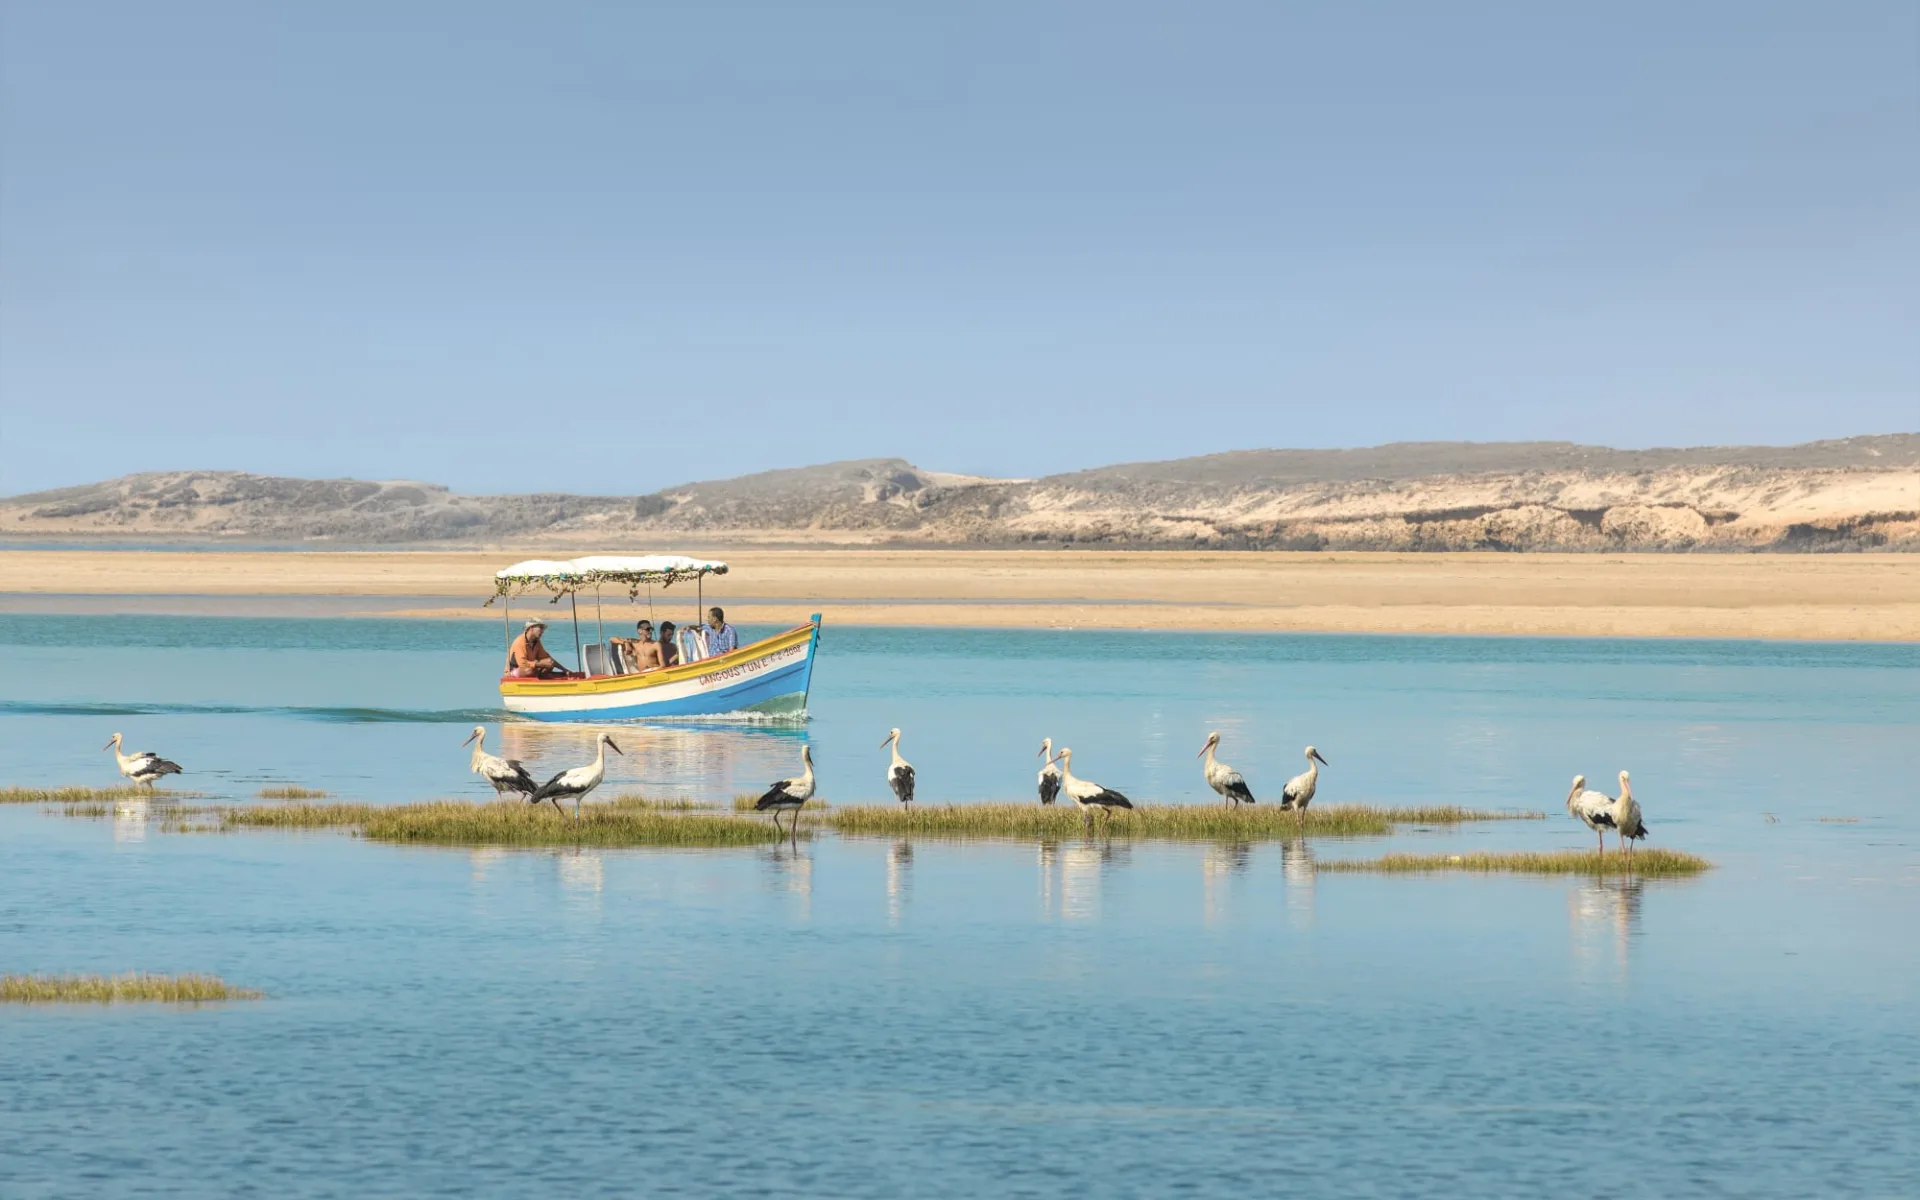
x=634 y=570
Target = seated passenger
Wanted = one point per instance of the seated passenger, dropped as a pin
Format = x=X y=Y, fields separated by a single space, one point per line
x=669 y=646
x=722 y=638
x=642 y=652
x=528 y=659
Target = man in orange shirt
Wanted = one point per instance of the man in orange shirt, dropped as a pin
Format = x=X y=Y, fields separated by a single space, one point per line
x=528 y=659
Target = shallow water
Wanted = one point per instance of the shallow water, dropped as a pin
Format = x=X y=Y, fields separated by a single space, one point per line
x=880 y=1017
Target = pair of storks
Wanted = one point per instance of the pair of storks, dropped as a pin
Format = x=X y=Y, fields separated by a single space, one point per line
x=509 y=776
x=1601 y=812
x=790 y=795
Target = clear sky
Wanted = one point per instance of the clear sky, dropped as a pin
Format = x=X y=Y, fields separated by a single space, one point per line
x=608 y=247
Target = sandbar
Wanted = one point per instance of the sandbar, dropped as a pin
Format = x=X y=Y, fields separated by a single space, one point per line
x=1781 y=596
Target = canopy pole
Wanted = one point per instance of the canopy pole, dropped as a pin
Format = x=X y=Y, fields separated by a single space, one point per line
x=650 y=602
x=579 y=659
x=506 y=618
x=599 y=624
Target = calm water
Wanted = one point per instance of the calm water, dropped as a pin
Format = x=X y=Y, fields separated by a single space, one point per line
x=886 y=1018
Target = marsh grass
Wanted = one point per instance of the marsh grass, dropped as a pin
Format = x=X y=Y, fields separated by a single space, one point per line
x=297 y=816
x=515 y=823
x=83 y=795
x=119 y=989
x=1838 y=820
x=1647 y=862
x=291 y=792
x=1173 y=822
x=634 y=801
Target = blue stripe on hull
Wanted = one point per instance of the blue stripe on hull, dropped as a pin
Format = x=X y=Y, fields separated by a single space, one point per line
x=788 y=683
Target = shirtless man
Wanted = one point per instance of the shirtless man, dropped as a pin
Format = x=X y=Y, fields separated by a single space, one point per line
x=528 y=659
x=642 y=652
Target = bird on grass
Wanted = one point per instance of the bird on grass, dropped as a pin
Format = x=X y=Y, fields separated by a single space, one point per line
x=576 y=782
x=900 y=771
x=1049 y=774
x=1222 y=778
x=1626 y=818
x=790 y=795
x=1299 y=790
x=1089 y=795
x=505 y=774
x=142 y=766
x=1593 y=809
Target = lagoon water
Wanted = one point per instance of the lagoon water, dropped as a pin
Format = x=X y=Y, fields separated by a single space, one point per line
x=890 y=1017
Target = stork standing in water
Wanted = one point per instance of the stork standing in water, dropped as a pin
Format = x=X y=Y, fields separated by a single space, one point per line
x=1086 y=793
x=1626 y=818
x=1299 y=790
x=1593 y=809
x=900 y=772
x=142 y=766
x=1049 y=774
x=505 y=774
x=1222 y=778
x=576 y=782
x=789 y=795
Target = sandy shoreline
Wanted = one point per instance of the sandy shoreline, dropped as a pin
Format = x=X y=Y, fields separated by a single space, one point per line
x=1825 y=597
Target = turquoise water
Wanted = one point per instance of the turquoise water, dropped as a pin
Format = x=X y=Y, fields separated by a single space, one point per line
x=883 y=1018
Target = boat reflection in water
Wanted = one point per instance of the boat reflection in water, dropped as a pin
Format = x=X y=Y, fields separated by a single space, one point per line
x=709 y=762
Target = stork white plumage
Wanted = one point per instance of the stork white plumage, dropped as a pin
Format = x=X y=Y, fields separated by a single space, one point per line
x=790 y=795
x=505 y=774
x=1089 y=795
x=1299 y=790
x=1049 y=774
x=1627 y=823
x=899 y=771
x=576 y=782
x=142 y=766
x=1223 y=778
x=1593 y=809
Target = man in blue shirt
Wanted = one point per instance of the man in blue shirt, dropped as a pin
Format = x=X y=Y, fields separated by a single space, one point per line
x=721 y=637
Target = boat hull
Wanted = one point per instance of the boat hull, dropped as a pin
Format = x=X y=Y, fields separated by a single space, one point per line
x=771 y=677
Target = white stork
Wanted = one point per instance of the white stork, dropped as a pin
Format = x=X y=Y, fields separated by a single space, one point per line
x=1593 y=809
x=577 y=781
x=1222 y=778
x=1626 y=818
x=1049 y=774
x=1086 y=793
x=789 y=795
x=505 y=774
x=142 y=766
x=1299 y=790
x=900 y=771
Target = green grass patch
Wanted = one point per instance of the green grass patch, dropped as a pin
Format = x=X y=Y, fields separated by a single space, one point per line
x=1173 y=822
x=81 y=795
x=297 y=816
x=1648 y=862
x=291 y=792
x=517 y=823
x=119 y=989
x=634 y=801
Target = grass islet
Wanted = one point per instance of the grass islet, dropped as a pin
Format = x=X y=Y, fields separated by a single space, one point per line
x=134 y=986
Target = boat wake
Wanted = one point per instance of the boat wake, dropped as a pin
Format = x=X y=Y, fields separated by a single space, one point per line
x=336 y=715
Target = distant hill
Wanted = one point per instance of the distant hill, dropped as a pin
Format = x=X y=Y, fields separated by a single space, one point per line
x=1854 y=493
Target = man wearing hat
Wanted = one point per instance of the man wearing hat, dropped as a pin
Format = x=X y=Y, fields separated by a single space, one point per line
x=528 y=659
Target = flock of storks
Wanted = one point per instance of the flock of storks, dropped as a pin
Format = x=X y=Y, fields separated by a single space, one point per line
x=1597 y=810
x=510 y=776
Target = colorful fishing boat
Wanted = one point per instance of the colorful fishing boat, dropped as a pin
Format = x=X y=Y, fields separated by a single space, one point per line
x=770 y=677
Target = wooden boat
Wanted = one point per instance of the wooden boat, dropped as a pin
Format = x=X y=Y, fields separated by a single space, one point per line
x=770 y=677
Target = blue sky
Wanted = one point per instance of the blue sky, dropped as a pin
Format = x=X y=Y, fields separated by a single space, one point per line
x=608 y=247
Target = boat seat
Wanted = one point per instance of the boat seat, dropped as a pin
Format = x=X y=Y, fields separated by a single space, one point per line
x=595 y=657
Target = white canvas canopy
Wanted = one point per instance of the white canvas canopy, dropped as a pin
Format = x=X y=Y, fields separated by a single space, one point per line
x=633 y=570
